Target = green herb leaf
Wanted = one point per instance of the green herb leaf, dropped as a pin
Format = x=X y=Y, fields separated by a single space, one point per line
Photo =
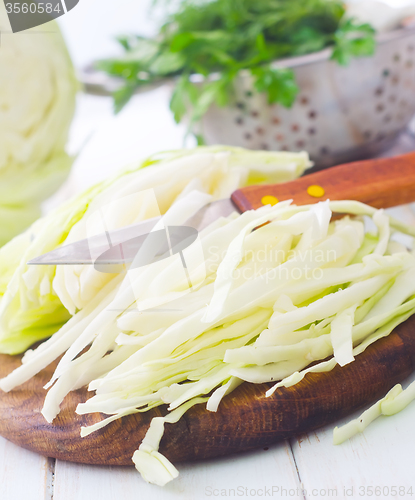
x=122 y=96
x=212 y=92
x=279 y=84
x=167 y=63
x=353 y=40
x=180 y=101
x=219 y=38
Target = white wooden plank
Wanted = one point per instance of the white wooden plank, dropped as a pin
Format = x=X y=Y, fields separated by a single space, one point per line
x=382 y=457
x=24 y=475
x=257 y=473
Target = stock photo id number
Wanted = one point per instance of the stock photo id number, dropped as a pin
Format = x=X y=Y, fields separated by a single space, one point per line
x=24 y=15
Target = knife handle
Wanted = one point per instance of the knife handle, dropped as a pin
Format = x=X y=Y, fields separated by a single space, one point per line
x=382 y=183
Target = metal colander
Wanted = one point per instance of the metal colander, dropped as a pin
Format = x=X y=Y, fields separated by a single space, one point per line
x=341 y=113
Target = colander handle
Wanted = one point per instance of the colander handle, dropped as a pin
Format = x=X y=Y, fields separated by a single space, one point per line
x=382 y=183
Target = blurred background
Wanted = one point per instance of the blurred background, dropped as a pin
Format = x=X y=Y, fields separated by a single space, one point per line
x=145 y=125
x=357 y=106
x=91 y=28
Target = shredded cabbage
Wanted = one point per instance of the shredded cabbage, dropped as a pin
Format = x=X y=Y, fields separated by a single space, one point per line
x=270 y=299
x=36 y=301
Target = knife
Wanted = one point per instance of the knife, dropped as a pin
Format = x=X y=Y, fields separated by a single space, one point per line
x=381 y=183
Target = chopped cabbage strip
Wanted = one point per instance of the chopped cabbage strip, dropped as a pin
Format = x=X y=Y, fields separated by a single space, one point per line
x=341 y=336
x=387 y=323
x=395 y=401
x=382 y=222
x=317 y=217
x=221 y=392
x=152 y=465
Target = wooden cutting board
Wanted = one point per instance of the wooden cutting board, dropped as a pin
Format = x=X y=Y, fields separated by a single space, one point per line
x=246 y=419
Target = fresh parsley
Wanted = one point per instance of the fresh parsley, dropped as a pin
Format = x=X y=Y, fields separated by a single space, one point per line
x=219 y=38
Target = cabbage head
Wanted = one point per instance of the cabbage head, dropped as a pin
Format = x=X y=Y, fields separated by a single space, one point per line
x=37 y=101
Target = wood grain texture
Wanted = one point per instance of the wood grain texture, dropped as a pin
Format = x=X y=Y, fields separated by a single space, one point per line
x=245 y=419
x=382 y=183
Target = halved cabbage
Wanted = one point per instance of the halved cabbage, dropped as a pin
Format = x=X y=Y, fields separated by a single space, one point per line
x=36 y=301
x=37 y=103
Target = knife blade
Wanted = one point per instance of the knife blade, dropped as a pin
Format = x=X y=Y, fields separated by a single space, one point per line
x=122 y=245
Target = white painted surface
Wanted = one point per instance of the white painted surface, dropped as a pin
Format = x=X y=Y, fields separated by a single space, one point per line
x=24 y=475
x=237 y=475
x=382 y=456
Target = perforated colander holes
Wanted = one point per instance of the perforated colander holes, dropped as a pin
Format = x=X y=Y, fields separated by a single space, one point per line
x=244 y=113
x=409 y=70
x=380 y=136
x=241 y=111
x=308 y=130
x=386 y=95
x=406 y=80
x=303 y=132
x=300 y=132
x=380 y=108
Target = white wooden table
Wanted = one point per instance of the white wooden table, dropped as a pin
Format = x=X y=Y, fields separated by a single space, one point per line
x=376 y=464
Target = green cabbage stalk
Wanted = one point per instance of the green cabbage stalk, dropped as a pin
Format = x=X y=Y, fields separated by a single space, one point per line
x=37 y=102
